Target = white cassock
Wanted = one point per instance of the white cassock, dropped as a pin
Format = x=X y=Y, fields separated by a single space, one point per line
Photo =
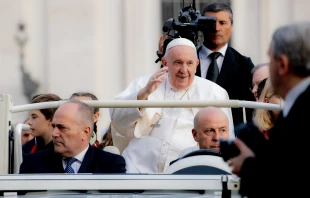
x=151 y=149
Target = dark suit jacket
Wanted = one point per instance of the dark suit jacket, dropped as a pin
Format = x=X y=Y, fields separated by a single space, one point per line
x=282 y=162
x=95 y=161
x=27 y=147
x=235 y=77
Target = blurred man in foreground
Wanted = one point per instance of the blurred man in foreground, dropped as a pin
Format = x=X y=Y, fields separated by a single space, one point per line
x=276 y=163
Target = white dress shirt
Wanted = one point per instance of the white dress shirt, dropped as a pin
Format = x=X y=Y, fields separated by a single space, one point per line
x=205 y=60
x=77 y=164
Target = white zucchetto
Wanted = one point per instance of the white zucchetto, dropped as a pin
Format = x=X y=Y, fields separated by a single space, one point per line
x=180 y=41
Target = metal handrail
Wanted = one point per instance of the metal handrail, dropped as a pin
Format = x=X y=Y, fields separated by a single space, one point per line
x=153 y=104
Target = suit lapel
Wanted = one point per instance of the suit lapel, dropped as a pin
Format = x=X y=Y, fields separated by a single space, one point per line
x=229 y=67
x=281 y=128
x=87 y=164
x=198 y=72
x=53 y=162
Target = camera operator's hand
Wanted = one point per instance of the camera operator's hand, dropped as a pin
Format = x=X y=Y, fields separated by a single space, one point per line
x=237 y=162
x=161 y=44
x=153 y=83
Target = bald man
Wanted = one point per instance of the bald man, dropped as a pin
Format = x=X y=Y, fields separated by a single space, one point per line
x=210 y=124
x=158 y=135
x=72 y=128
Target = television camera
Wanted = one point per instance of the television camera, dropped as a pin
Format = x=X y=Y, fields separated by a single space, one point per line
x=190 y=23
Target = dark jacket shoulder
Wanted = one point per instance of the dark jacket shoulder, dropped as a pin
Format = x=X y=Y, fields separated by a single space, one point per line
x=95 y=161
x=105 y=161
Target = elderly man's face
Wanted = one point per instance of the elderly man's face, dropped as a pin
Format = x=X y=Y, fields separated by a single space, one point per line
x=210 y=129
x=69 y=131
x=182 y=63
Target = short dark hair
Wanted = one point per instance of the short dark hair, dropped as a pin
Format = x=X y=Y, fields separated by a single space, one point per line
x=48 y=113
x=217 y=7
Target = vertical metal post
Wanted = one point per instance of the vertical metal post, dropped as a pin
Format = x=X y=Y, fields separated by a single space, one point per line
x=6 y=104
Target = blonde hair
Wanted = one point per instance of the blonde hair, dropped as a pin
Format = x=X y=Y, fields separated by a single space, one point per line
x=262 y=117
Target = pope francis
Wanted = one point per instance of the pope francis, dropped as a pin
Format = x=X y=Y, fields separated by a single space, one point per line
x=157 y=135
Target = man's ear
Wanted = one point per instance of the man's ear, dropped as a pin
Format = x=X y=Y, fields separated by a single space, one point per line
x=194 y=132
x=164 y=61
x=86 y=133
x=49 y=122
x=96 y=116
x=197 y=62
x=283 y=65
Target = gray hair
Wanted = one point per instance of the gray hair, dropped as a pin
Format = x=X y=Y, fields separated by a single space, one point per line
x=217 y=7
x=293 y=41
x=85 y=112
x=258 y=67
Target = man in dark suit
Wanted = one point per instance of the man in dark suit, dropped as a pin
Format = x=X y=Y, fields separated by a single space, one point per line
x=275 y=167
x=230 y=69
x=73 y=124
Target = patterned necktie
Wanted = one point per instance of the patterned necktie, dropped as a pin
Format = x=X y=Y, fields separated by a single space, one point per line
x=213 y=70
x=69 y=168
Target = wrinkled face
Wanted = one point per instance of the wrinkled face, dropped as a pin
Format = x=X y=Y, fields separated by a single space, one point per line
x=39 y=125
x=223 y=29
x=26 y=136
x=182 y=63
x=68 y=135
x=210 y=130
x=258 y=77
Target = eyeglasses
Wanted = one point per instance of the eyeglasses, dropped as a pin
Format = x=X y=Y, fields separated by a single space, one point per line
x=260 y=84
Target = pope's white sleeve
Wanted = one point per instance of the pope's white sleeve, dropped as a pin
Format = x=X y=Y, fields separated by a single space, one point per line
x=124 y=119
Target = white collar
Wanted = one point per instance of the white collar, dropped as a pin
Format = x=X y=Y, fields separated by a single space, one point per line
x=205 y=52
x=293 y=94
x=168 y=86
x=81 y=155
